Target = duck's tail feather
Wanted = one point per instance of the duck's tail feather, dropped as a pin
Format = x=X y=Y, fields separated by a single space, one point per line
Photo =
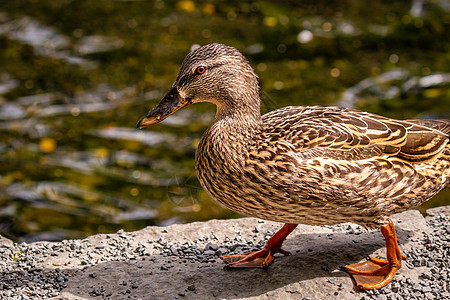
x=443 y=125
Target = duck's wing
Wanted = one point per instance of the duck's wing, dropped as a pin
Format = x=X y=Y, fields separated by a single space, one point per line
x=425 y=139
x=353 y=134
x=442 y=125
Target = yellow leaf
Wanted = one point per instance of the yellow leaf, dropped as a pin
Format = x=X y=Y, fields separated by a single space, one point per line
x=432 y=93
x=270 y=21
x=47 y=145
x=209 y=9
x=101 y=152
x=188 y=6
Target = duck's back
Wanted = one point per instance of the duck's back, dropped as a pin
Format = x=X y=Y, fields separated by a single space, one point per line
x=334 y=165
x=353 y=135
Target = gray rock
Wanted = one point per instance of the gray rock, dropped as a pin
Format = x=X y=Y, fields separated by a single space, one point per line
x=436 y=211
x=211 y=246
x=4 y=242
x=180 y=261
x=222 y=251
x=209 y=252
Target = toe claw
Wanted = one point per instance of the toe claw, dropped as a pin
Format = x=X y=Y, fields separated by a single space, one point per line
x=284 y=252
x=341 y=268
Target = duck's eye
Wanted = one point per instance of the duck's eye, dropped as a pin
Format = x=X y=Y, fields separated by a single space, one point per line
x=200 y=70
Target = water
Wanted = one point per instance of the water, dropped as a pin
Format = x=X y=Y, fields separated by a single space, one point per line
x=75 y=76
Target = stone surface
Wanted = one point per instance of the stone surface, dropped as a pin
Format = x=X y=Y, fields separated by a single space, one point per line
x=181 y=262
x=439 y=210
x=4 y=241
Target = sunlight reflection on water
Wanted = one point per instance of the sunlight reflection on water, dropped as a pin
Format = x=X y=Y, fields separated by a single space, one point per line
x=73 y=86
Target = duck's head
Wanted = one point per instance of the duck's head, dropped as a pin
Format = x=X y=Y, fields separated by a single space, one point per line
x=213 y=73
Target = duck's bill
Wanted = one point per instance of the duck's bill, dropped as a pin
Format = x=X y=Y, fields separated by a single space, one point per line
x=168 y=105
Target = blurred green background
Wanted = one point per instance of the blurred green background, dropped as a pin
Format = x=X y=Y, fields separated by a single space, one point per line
x=75 y=76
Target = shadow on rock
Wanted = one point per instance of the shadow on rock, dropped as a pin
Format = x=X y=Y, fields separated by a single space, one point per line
x=315 y=256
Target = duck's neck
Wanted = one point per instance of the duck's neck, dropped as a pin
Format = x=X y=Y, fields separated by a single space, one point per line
x=241 y=117
x=238 y=119
x=231 y=134
x=221 y=153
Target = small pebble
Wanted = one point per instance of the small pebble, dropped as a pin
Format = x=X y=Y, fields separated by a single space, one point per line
x=191 y=287
x=211 y=246
x=221 y=251
x=209 y=252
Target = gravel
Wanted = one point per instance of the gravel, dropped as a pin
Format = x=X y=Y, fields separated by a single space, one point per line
x=22 y=278
x=44 y=270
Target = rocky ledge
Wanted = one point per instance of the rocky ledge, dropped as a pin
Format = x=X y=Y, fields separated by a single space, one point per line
x=181 y=262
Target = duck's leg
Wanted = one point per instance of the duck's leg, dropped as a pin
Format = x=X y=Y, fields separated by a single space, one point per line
x=376 y=273
x=262 y=258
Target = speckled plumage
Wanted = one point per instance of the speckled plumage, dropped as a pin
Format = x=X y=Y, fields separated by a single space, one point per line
x=323 y=165
x=310 y=165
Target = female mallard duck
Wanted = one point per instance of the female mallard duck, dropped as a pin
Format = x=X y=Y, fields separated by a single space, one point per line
x=309 y=165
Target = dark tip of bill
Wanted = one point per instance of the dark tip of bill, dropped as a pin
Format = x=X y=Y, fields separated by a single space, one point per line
x=138 y=124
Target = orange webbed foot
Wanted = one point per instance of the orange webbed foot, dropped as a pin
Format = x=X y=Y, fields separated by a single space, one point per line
x=376 y=273
x=262 y=258
x=258 y=259
x=370 y=275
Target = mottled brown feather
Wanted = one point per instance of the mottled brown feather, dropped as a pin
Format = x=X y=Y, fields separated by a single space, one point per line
x=350 y=130
x=442 y=125
x=312 y=165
